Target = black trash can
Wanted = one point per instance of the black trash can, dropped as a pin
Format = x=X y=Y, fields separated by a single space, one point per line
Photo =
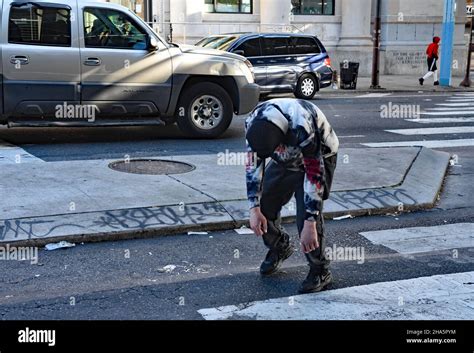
x=349 y=72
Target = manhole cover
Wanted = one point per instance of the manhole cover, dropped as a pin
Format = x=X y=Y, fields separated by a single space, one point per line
x=151 y=166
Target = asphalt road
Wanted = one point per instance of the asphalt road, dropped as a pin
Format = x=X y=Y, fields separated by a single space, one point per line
x=125 y=279
x=356 y=120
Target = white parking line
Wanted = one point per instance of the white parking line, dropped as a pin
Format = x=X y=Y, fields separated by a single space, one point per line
x=434 y=130
x=428 y=144
x=424 y=239
x=441 y=297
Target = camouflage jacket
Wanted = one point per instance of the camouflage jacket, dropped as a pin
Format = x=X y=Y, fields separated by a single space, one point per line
x=308 y=140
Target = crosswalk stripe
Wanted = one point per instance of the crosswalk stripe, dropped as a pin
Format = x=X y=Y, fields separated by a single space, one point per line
x=351 y=136
x=456 y=104
x=451 y=109
x=424 y=239
x=465 y=94
x=434 y=130
x=440 y=297
x=428 y=144
x=441 y=120
x=460 y=100
x=464 y=112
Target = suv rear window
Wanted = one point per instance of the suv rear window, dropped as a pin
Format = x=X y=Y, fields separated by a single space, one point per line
x=37 y=25
x=304 y=45
x=250 y=47
x=220 y=43
x=275 y=46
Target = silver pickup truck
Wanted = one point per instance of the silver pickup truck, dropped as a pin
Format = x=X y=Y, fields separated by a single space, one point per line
x=77 y=63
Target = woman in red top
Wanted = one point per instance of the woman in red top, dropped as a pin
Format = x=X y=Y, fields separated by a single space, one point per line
x=432 y=58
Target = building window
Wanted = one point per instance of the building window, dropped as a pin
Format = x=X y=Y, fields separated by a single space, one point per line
x=312 y=7
x=228 y=6
x=140 y=7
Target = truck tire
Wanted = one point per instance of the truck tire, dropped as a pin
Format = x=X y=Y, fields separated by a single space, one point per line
x=205 y=110
x=306 y=87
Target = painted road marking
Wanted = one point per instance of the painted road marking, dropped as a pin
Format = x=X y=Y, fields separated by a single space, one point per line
x=393 y=95
x=441 y=120
x=456 y=104
x=428 y=144
x=460 y=100
x=463 y=112
x=352 y=136
x=374 y=95
x=11 y=154
x=424 y=239
x=434 y=130
x=440 y=297
x=447 y=109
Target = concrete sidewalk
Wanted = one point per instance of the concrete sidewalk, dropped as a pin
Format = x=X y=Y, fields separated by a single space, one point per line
x=87 y=201
x=401 y=83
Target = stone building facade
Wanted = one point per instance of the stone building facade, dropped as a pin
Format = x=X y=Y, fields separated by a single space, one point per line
x=344 y=26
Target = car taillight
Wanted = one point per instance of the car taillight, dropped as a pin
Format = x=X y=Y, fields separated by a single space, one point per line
x=327 y=62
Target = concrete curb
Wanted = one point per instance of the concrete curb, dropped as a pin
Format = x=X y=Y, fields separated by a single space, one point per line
x=418 y=190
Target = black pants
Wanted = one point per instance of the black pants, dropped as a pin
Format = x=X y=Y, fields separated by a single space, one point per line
x=432 y=64
x=279 y=185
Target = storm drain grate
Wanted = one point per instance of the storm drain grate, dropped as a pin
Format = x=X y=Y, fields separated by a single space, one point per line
x=151 y=167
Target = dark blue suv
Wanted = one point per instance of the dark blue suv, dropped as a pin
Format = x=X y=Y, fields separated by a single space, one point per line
x=282 y=63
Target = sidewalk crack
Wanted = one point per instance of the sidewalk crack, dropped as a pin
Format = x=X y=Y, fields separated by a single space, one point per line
x=205 y=194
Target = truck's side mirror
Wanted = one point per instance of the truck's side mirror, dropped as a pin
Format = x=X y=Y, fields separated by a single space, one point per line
x=239 y=52
x=152 y=44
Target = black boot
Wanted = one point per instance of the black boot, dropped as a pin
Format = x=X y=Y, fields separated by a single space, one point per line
x=421 y=81
x=274 y=258
x=436 y=83
x=316 y=280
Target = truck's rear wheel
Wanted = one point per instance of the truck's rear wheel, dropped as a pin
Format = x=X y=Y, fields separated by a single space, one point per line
x=205 y=110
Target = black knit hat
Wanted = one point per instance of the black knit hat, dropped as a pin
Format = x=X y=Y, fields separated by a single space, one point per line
x=264 y=137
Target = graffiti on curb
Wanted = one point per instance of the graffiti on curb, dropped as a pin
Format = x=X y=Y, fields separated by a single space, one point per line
x=127 y=219
x=19 y=229
x=143 y=218
x=372 y=198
